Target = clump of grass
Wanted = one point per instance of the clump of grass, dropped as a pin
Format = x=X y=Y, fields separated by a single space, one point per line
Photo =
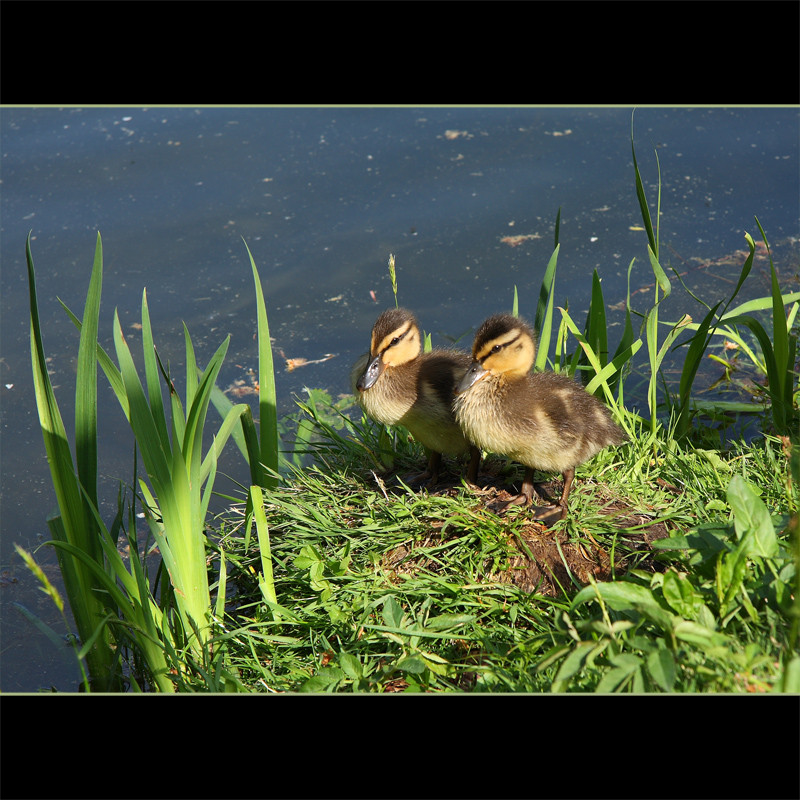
x=169 y=623
x=381 y=589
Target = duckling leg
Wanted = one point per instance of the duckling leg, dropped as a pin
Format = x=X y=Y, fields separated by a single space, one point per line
x=569 y=476
x=431 y=474
x=474 y=463
x=546 y=514
x=434 y=464
x=526 y=493
x=553 y=513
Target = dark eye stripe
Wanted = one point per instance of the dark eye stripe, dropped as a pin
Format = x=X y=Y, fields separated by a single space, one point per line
x=398 y=338
x=497 y=348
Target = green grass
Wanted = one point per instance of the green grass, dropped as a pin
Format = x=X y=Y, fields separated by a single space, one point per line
x=383 y=589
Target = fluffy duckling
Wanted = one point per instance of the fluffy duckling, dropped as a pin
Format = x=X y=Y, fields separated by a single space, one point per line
x=543 y=420
x=399 y=384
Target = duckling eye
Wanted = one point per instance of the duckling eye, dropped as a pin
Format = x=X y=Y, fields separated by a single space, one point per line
x=394 y=341
x=497 y=348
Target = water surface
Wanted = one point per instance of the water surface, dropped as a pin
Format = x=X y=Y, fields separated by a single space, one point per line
x=322 y=196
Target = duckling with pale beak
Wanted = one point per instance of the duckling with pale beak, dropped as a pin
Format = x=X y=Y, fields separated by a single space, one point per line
x=398 y=384
x=543 y=420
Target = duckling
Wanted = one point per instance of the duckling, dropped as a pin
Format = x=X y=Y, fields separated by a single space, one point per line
x=397 y=384
x=546 y=421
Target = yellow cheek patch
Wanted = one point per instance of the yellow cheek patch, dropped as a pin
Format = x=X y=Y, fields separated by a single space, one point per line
x=503 y=340
x=400 y=346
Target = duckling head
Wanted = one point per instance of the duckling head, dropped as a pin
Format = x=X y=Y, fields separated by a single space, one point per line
x=504 y=346
x=395 y=341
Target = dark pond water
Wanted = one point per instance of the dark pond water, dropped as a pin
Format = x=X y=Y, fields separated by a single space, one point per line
x=322 y=196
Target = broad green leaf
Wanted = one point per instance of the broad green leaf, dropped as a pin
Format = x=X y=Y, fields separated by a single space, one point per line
x=324 y=681
x=661 y=667
x=752 y=520
x=444 y=622
x=412 y=664
x=730 y=573
x=626 y=665
x=351 y=666
x=619 y=595
x=697 y=634
x=790 y=681
x=572 y=664
x=681 y=595
x=392 y=613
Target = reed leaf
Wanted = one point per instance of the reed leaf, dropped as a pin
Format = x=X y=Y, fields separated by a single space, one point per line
x=267 y=402
x=73 y=523
x=662 y=281
x=135 y=614
x=698 y=345
x=779 y=386
x=662 y=286
x=595 y=331
x=86 y=383
x=783 y=344
x=625 y=344
x=266 y=580
x=152 y=369
x=652 y=235
x=762 y=304
x=777 y=349
x=544 y=312
x=106 y=364
x=602 y=372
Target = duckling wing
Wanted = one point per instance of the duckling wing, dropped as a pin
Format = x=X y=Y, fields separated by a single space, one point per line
x=566 y=425
x=430 y=419
x=439 y=373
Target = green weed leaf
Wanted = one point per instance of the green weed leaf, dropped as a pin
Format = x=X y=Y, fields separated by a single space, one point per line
x=681 y=595
x=752 y=521
x=661 y=667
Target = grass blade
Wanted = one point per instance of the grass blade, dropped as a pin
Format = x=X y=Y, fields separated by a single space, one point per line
x=267 y=403
x=266 y=581
x=544 y=312
x=652 y=236
x=86 y=383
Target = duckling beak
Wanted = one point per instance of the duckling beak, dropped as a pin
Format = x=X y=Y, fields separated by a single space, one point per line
x=370 y=374
x=474 y=374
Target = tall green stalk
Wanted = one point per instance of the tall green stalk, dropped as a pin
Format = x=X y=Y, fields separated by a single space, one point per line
x=543 y=322
x=259 y=446
x=663 y=289
x=76 y=492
